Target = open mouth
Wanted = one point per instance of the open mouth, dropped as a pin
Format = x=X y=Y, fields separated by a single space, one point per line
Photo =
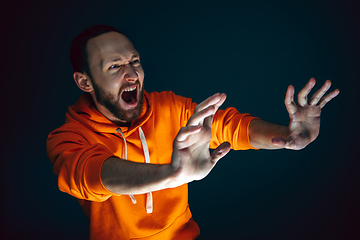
x=129 y=95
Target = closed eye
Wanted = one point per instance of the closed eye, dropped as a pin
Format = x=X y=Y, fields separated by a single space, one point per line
x=135 y=63
x=115 y=66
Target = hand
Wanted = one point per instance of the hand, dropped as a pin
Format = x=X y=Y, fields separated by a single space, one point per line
x=304 y=117
x=191 y=159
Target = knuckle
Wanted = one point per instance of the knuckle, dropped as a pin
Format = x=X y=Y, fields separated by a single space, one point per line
x=184 y=129
x=196 y=109
x=177 y=144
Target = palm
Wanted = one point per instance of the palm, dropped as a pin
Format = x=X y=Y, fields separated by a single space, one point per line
x=304 y=126
x=196 y=156
x=305 y=117
x=191 y=158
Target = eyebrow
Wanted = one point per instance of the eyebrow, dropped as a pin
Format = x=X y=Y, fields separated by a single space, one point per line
x=102 y=63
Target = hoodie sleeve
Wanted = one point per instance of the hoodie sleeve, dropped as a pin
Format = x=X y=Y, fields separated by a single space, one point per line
x=231 y=126
x=78 y=164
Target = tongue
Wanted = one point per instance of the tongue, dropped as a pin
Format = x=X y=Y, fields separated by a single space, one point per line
x=128 y=97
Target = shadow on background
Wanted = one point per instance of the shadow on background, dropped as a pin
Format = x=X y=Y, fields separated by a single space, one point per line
x=251 y=50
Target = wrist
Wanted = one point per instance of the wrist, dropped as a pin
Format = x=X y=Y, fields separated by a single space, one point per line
x=171 y=176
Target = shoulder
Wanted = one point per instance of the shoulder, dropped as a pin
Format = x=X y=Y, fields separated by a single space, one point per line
x=165 y=95
x=168 y=98
x=70 y=132
x=167 y=104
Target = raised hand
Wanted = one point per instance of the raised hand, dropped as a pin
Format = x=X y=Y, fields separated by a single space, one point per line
x=304 y=116
x=191 y=159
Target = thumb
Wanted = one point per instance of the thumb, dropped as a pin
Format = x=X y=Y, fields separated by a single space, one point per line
x=288 y=142
x=220 y=152
x=278 y=141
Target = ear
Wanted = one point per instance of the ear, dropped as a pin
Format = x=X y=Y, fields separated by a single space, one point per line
x=83 y=81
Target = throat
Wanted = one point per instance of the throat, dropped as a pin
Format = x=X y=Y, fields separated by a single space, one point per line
x=129 y=97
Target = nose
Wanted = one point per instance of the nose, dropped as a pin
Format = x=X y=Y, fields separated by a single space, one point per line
x=130 y=73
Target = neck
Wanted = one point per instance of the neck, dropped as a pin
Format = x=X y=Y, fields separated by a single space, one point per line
x=104 y=111
x=122 y=124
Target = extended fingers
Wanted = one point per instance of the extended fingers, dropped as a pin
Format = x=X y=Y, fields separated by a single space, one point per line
x=302 y=96
x=289 y=101
x=198 y=117
x=206 y=109
x=320 y=93
x=328 y=97
x=221 y=101
x=318 y=99
x=184 y=135
x=215 y=100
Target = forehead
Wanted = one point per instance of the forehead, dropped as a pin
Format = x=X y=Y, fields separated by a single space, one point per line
x=109 y=45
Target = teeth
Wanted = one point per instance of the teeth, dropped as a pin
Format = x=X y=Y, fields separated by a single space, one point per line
x=130 y=89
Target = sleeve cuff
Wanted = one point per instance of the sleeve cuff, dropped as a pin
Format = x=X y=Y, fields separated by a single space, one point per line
x=94 y=174
x=244 y=139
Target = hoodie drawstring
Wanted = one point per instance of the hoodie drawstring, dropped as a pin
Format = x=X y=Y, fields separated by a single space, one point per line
x=149 y=198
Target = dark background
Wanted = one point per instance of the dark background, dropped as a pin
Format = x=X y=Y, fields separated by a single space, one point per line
x=251 y=50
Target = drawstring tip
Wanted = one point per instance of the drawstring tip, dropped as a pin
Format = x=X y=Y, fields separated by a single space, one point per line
x=133 y=199
x=149 y=203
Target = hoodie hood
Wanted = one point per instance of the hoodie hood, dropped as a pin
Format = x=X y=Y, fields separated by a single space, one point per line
x=84 y=111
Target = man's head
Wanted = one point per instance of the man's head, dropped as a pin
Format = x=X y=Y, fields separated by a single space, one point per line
x=107 y=66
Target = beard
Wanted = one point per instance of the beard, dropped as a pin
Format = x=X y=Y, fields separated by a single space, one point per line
x=112 y=102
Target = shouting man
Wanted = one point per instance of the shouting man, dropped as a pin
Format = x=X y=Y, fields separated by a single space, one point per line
x=127 y=155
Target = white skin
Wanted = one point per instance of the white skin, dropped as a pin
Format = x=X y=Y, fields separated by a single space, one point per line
x=115 y=63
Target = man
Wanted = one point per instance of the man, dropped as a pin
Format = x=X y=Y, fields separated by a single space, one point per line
x=127 y=155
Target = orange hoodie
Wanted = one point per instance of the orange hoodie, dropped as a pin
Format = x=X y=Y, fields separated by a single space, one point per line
x=79 y=147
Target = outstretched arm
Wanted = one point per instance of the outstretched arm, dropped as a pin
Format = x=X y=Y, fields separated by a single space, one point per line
x=190 y=161
x=304 y=123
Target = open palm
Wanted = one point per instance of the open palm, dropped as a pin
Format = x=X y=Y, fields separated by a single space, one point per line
x=191 y=159
x=304 y=123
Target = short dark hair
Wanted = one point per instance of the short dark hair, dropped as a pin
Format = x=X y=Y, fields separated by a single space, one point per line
x=78 y=53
